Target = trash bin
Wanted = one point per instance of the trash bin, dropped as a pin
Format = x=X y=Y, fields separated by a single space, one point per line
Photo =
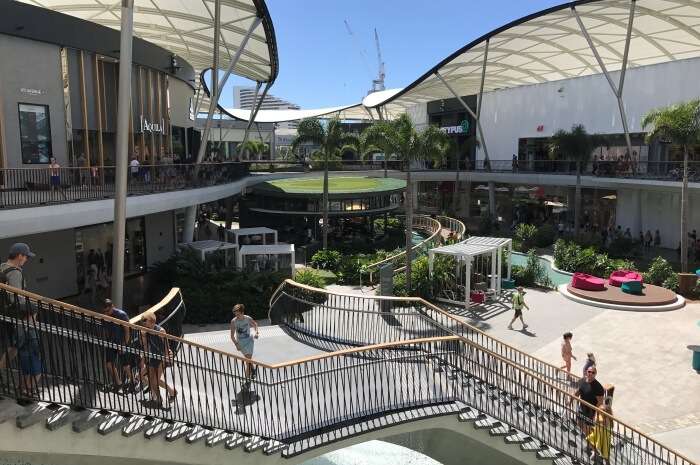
x=696 y=357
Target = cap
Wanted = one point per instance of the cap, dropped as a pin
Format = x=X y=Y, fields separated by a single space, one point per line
x=21 y=248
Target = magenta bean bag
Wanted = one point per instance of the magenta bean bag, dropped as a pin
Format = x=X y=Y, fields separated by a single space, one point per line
x=622 y=276
x=587 y=282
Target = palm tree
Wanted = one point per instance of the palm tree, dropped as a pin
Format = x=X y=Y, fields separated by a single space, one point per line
x=252 y=149
x=330 y=138
x=575 y=145
x=400 y=137
x=677 y=124
x=361 y=147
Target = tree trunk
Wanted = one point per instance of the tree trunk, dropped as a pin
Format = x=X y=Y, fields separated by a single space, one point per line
x=577 y=199
x=684 y=213
x=229 y=212
x=325 y=202
x=386 y=174
x=409 y=227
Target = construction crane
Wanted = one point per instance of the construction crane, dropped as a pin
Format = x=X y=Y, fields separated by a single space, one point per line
x=378 y=84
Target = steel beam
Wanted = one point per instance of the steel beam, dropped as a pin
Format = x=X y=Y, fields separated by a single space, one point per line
x=122 y=155
x=617 y=89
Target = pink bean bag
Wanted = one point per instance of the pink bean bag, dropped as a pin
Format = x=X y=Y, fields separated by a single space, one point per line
x=587 y=282
x=622 y=276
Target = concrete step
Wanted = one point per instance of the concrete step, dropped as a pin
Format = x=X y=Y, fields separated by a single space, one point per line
x=235 y=440
x=517 y=438
x=273 y=447
x=254 y=443
x=111 y=423
x=135 y=425
x=216 y=437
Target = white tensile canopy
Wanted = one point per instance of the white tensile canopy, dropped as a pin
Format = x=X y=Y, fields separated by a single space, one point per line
x=186 y=28
x=550 y=45
x=464 y=254
x=349 y=112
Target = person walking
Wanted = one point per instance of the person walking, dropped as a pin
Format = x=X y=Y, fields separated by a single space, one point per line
x=567 y=352
x=592 y=392
x=12 y=275
x=600 y=438
x=240 y=335
x=518 y=304
x=157 y=352
x=119 y=335
x=29 y=354
x=590 y=362
x=55 y=176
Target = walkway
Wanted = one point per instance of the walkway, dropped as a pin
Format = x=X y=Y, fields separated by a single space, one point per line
x=643 y=354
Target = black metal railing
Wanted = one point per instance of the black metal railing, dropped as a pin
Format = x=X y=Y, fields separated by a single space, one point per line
x=292 y=401
x=28 y=187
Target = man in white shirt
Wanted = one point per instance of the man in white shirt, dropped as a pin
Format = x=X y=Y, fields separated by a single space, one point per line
x=134 y=168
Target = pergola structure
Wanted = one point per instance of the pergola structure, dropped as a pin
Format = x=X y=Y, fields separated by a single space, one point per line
x=464 y=254
x=252 y=236
x=271 y=257
x=203 y=248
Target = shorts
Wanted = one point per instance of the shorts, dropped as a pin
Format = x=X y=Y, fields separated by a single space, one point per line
x=111 y=356
x=127 y=359
x=55 y=181
x=586 y=414
x=155 y=362
x=518 y=312
x=30 y=363
x=246 y=345
x=8 y=334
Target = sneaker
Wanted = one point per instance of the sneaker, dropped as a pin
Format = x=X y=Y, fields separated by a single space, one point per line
x=116 y=388
x=524 y=326
x=510 y=327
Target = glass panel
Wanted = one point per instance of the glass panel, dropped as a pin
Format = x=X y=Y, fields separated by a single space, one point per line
x=35 y=133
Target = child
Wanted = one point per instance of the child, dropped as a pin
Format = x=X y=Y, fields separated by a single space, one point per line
x=240 y=335
x=600 y=437
x=567 y=352
x=29 y=352
x=590 y=362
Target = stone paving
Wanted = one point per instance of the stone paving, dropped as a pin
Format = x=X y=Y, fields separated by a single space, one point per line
x=644 y=354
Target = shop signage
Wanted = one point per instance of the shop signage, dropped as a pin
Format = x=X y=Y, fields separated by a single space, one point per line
x=28 y=91
x=463 y=128
x=540 y=128
x=147 y=126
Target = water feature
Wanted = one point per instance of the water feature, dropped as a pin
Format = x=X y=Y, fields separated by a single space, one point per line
x=557 y=277
x=373 y=453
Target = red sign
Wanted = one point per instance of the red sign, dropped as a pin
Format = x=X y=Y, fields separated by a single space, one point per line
x=540 y=128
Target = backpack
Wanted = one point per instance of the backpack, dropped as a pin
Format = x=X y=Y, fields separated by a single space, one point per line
x=8 y=305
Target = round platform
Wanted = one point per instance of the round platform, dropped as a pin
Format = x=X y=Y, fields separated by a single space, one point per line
x=652 y=299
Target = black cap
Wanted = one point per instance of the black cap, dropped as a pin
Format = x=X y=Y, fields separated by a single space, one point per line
x=21 y=248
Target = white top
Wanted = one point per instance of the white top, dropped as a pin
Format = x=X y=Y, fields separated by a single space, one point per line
x=270 y=249
x=134 y=165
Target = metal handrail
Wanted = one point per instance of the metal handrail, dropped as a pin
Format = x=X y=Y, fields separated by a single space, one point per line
x=517 y=372
x=422 y=222
x=284 y=400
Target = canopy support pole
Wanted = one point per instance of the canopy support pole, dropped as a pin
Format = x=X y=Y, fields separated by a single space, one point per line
x=499 y=267
x=510 y=258
x=617 y=89
x=217 y=87
x=494 y=285
x=256 y=108
x=126 y=37
x=468 y=283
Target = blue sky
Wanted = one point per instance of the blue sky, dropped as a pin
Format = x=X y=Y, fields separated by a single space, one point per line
x=322 y=65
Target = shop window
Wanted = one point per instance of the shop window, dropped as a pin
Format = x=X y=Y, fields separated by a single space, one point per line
x=35 y=133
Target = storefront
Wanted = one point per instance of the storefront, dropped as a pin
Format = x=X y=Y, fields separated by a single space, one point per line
x=62 y=102
x=450 y=116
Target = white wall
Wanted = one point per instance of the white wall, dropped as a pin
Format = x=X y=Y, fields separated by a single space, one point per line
x=52 y=273
x=510 y=114
x=160 y=237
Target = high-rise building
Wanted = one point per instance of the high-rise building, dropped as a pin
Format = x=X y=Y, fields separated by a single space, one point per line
x=244 y=97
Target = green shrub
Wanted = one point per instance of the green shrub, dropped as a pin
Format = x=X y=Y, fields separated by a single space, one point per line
x=545 y=235
x=660 y=273
x=533 y=273
x=310 y=277
x=486 y=224
x=525 y=235
x=571 y=257
x=326 y=260
x=443 y=271
x=210 y=295
x=393 y=225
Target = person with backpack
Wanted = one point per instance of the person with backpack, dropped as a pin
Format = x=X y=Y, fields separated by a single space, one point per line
x=11 y=307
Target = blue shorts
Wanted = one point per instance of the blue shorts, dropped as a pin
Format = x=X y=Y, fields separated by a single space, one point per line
x=55 y=181
x=30 y=363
